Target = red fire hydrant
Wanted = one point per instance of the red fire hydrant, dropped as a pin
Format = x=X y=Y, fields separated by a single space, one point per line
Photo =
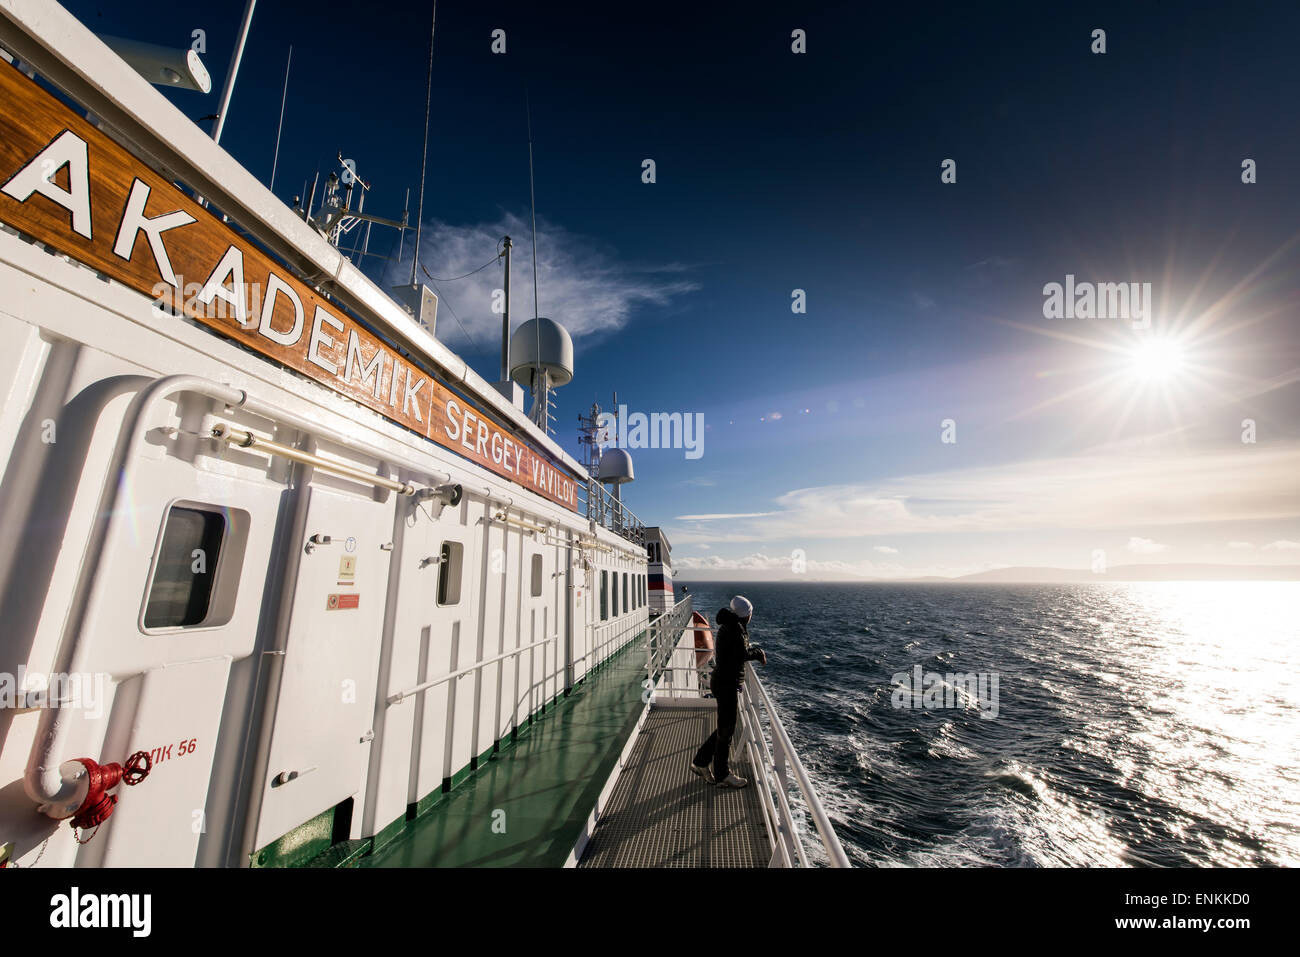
x=102 y=778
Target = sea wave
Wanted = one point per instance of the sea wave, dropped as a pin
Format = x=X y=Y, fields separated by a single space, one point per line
x=1136 y=724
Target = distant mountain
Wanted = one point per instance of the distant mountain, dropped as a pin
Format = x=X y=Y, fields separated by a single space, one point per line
x=1140 y=573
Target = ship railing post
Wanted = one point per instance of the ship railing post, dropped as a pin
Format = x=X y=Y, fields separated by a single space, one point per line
x=778 y=762
x=649 y=652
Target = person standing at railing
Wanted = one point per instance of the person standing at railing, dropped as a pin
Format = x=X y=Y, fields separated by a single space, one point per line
x=732 y=650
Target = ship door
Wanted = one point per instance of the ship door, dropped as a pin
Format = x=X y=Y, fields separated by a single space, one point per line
x=320 y=740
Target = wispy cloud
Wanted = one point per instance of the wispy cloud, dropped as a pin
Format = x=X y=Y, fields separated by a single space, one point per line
x=761 y=566
x=993 y=268
x=1107 y=488
x=1240 y=546
x=885 y=550
x=581 y=282
x=719 y=516
x=1145 y=546
x=1282 y=545
x=783 y=566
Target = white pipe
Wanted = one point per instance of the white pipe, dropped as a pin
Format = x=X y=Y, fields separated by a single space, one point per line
x=249 y=440
x=42 y=780
x=520 y=523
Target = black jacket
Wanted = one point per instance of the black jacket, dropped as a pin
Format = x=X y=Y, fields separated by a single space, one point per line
x=732 y=649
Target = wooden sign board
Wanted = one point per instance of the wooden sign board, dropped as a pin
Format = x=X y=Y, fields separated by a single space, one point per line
x=74 y=189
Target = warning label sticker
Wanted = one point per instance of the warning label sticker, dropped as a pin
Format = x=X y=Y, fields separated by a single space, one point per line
x=339 y=602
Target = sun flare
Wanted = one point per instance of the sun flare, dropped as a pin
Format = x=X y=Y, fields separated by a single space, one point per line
x=1157 y=359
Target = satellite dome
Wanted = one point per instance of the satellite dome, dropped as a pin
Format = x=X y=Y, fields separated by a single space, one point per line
x=615 y=466
x=556 y=352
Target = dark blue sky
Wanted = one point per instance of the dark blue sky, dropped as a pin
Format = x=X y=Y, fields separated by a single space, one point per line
x=820 y=172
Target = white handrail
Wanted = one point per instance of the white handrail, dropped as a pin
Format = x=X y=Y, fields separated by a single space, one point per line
x=830 y=841
x=783 y=830
x=615 y=633
x=425 y=686
x=673 y=622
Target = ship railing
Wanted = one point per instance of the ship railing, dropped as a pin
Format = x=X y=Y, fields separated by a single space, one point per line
x=787 y=794
x=466 y=672
x=771 y=751
x=609 y=637
x=663 y=635
x=552 y=669
x=600 y=506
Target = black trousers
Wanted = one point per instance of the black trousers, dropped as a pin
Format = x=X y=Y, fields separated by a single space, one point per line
x=717 y=747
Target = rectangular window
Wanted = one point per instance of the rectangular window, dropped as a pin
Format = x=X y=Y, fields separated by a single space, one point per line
x=604 y=596
x=613 y=600
x=625 y=604
x=537 y=575
x=449 y=573
x=185 y=571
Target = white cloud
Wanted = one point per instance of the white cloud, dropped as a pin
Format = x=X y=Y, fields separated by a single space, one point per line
x=581 y=283
x=1106 y=488
x=1145 y=546
x=719 y=516
x=1240 y=546
x=1282 y=545
x=885 y=550
x=758 y=564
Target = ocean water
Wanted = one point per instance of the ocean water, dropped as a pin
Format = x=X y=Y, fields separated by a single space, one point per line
x=1136 y=724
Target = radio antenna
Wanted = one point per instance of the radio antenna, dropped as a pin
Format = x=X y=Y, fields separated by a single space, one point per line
x=532 y=205
x=424 y=157
x=532 y=196
x=275 y=162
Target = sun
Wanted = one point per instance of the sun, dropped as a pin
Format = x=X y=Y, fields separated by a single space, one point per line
x=1156 y=359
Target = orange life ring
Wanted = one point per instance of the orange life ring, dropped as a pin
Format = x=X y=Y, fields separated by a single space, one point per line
x=703 y=639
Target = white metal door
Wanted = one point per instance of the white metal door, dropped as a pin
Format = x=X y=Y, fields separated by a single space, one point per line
x=320 y=741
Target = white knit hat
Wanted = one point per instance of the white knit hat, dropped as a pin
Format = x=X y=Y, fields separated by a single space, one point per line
x=742 y=606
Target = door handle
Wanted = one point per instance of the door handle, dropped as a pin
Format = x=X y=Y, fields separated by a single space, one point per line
x=317 y=540
x=284 y=777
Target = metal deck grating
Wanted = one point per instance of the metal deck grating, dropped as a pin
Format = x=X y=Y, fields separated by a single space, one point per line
x=662 y=815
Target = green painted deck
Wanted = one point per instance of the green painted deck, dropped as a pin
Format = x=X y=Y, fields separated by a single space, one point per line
x=546 y=782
